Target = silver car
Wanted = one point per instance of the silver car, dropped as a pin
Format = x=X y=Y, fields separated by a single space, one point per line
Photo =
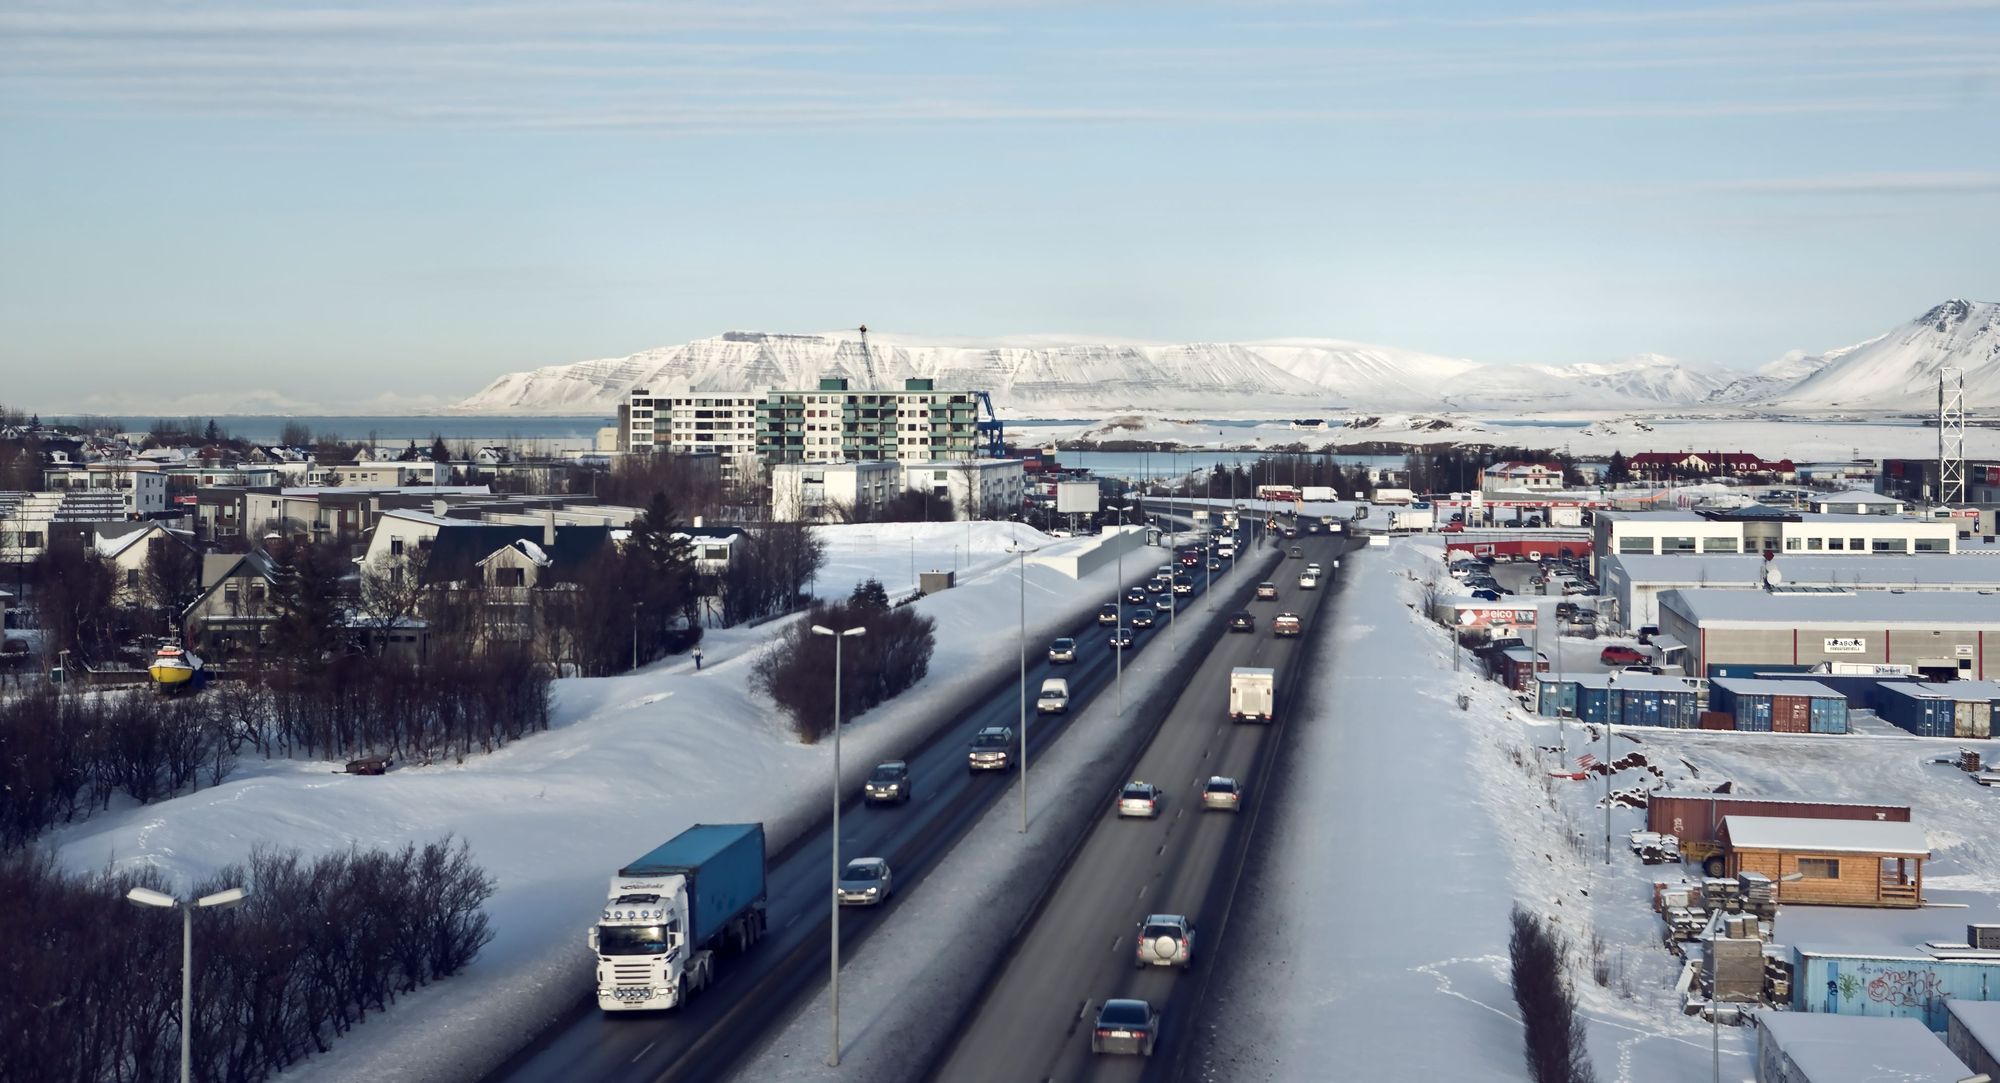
x=1063 y=650
x=866 y=881
x=992 y=749
x=1222 y=792
x=1139 y=799
x=1125 y=1026
x=1164 y=940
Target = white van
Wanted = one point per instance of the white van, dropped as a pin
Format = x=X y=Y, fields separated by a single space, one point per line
x=1054 y=698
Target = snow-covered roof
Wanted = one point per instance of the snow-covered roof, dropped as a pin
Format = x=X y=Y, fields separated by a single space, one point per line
x=1855 y=496
x=1878 y=607
x=1637 y=682
x=1978 y=1018
x=1918 y=570
x=1958 y=691
x=1799 y=833
x=1672 y=515
x=1763 y=686
x=1860 y=1049
x=532 y=551
x=1876 y=520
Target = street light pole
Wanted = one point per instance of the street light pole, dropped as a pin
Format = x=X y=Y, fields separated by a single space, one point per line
x=635 y=635
x=1610 y=683
x=833 y=1055
x=221 y=900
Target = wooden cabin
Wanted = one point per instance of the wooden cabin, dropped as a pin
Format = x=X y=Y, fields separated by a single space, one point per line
x=1830 y=862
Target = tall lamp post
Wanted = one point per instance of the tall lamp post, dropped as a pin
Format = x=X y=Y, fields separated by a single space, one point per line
x=635 y=635
x=1118 y=592
x=833 y=1054
x=1024 y=551
x=1610 y=683
x=218 y=901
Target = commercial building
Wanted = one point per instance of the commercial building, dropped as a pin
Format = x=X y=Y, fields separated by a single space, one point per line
x=1762 y=529
x=1943 y=635
x=1856 y=502
x=1633 y=584
x=1916 y=480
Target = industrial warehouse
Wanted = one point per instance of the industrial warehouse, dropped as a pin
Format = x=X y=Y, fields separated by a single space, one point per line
x=1939 y=635
x=1633 y=584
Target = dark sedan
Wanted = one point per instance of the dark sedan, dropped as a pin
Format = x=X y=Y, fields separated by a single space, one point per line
x=1125 y=1026
x=1242 y=622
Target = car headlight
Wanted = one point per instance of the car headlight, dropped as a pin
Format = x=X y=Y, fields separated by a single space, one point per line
x=870 y=891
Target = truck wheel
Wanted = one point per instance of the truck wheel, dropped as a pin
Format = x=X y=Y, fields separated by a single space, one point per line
x=681 y=992
x=1712 y=865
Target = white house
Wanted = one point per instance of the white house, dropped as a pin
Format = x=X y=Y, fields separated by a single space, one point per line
x=976 y=488
x=1519 y=477
x=820 y=491
x=125 y=549
x=140 y=486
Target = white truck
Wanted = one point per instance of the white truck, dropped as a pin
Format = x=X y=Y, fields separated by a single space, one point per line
x=1253 y=694
x=1319 y=493
x=670 y=911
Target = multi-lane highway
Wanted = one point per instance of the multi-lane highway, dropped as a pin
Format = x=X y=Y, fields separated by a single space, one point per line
x=761 y=987
x=1035 y=1019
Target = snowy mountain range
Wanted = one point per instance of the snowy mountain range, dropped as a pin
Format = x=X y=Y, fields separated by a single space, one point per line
x=1894 y=372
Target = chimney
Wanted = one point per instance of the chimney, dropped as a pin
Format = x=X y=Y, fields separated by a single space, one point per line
x=697 y=522
x=549 y=527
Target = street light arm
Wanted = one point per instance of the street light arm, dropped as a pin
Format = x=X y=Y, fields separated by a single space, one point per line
x=224 y=899
x=148 y=897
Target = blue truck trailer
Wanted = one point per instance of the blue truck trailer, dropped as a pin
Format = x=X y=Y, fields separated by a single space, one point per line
x=673 y=911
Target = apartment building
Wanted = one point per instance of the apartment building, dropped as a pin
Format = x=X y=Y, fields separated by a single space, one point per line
x=831 y=423
x=140 y=486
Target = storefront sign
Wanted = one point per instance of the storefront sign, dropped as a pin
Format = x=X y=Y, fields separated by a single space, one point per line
x=1847 y=646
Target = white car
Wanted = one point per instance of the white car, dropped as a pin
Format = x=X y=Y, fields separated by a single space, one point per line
x=1308 y=581
x=1139 y=799
x=865 y=881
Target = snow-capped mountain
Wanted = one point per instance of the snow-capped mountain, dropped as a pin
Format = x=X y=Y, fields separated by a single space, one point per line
x=1036 y=378
x=1899 y=371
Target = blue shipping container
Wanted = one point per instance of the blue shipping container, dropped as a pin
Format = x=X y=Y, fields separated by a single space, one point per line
x=1829 y=715
x=724 y=864
x=1558 y=698
x=1916 y=987
x=1906 y=706
x=1749 y=701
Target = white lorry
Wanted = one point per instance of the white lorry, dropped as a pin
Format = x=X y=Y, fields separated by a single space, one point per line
x=1253 y=694
x=671 y=910
x=1319 y=493
x=1054 y=698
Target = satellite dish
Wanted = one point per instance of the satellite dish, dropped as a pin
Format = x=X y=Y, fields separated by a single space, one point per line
x=1772 y=576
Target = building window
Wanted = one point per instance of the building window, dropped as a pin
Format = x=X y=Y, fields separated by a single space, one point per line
x=1891 y=545
x=1836 y=544
x=1793 y=545
x=1814 y=544
x=509 y=577
x=1718 y=545
x=132 y=579
x=1819 y=868
x=1676 y=545
x=395 y=547
x=1933 y=545
x=1631 y=544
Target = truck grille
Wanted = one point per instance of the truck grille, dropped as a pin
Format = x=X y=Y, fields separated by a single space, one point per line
x=631 y=973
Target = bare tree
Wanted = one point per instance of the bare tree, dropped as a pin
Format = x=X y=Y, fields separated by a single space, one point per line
x=392 y=590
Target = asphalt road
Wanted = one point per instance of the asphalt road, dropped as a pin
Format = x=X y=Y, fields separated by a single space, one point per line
x=1035 y=1019
x=760 y=988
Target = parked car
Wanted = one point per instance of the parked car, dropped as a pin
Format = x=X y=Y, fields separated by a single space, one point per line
x=1121 y=638
x=1125 y=1026
x=1242 y=622
x=1620 y=655
x=1286 y=626
x=890 y=781
x=1164 y=940
x=1222 y=792
x=1107 y=613
x=1142 y=618
x=1064 y=649
x=866 y=881
x=1139 y=799
x=1267 y=591
x=1486 y=595
x=992 y=749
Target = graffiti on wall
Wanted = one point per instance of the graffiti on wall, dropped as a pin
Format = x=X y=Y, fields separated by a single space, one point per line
x=1906 y=988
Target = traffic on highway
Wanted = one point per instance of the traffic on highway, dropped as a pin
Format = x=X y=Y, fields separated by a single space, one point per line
x=761 y=967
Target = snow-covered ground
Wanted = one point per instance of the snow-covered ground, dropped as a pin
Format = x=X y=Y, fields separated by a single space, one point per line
x=1802 y=439
x=628 y=760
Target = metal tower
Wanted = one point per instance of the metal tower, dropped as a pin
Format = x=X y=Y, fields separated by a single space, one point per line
x=1951 y=436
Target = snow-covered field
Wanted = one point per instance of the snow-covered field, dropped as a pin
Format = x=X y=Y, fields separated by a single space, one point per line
x=1802 y=439
x=628 y=761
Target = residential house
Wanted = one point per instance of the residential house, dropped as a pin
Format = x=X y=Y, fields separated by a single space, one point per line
x=140 y=486
x=234 y=614
x=391 y=473
x=1671 y=464
x=127 y=547
x=514 y=569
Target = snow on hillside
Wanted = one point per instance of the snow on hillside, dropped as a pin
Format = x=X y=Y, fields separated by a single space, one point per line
x=626 y=759
x=1899 y=371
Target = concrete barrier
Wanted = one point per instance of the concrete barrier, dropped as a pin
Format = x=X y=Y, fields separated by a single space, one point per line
x=1103 y=551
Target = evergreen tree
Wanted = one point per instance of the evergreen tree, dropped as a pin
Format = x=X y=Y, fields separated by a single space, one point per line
x=869 y=597
x=439 y=453
x=1619 y=469
x=211 y=434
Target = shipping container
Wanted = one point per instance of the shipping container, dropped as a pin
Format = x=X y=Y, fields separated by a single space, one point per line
x=1718 y=720
x=1914 y=986
x=1766 y=705
x=1557 y=699
x=1914 y=708
x=1696 y=818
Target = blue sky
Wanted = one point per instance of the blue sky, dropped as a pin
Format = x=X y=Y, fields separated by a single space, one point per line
x=365 y=205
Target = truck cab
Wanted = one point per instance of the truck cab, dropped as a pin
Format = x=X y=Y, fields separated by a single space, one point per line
x=1054 y=698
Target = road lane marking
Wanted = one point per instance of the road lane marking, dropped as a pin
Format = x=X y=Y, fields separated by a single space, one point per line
x=794 y=921
x=643 y=1052
x=1114 y=943
x=1142 y=890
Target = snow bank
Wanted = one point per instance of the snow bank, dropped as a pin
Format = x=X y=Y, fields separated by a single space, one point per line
x=629 y=760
